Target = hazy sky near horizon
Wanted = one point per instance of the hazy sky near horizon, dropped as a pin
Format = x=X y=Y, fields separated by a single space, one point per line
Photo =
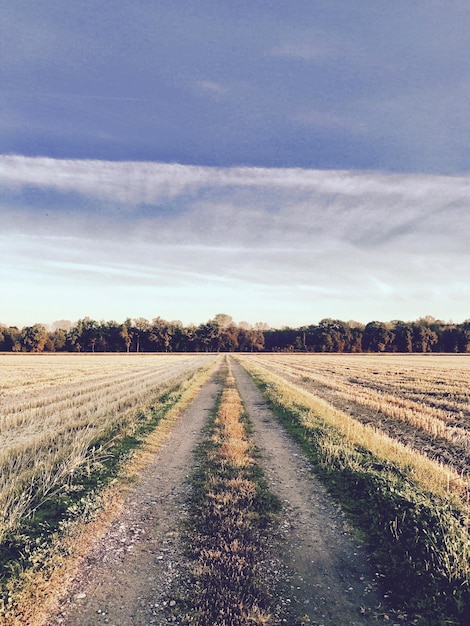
x=279 y=162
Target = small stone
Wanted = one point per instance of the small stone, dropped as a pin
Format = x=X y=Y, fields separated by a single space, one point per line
x=172 y=603
x=80 y=596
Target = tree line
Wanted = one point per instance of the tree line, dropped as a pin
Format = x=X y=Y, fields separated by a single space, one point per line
x=222 y=334
x=424 y=335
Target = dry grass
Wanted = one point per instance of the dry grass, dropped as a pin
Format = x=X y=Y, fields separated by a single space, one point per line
x=393 y=388
x=234 y=445
x=224 y=525
x=57 y=412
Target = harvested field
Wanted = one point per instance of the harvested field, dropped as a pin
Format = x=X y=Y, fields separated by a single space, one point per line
x=59 y=414
x=389 y=436
x=422 y=401
x=373 y=429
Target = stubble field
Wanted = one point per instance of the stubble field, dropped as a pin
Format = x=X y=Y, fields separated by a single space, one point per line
x=387 y=434
x=60 y=416
x=421 y=401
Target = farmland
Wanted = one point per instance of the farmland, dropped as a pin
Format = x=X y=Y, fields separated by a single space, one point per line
x=63 y=416
x=422 y=401
x=387 y=434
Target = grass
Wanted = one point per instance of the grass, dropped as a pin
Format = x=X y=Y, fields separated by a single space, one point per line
x=414 y=519
x=231 y=513
x=44 y=542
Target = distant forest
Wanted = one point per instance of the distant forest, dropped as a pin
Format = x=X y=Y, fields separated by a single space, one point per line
x=222 y=334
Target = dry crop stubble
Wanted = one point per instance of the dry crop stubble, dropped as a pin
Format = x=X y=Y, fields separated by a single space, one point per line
x=32 y=597
x=422 y=402
x=52 y=424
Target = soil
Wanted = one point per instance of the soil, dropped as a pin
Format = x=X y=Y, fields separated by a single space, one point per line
x=136 y=574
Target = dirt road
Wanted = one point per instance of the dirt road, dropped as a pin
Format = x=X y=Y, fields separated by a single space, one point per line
x=133 y=575
x=129 y=577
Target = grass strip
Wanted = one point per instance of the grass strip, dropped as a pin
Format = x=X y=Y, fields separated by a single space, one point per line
x=36 y=557
x=231 y=514
x=420 y=538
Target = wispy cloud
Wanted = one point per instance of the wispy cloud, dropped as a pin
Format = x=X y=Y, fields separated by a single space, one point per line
x=328 y=120
x=253 y=204
x=212 y=87
x=336 y=234
x=137 y=182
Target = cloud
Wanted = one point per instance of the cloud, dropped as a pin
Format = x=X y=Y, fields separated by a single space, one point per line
x=329 y=120
x=144 y=181
x=287 y=208
x=342 y=239
x=304 y=51
x=212 y=87
x=318 y=46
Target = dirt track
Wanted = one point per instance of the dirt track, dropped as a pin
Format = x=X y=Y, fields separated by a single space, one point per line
x=132 y=575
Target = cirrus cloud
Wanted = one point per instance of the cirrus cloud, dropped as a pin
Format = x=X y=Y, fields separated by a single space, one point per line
x=343 y=240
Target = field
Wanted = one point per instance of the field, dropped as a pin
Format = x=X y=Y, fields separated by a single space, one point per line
x=387 y=434
x=390 y=436
x=60 y=414
x=421 y=401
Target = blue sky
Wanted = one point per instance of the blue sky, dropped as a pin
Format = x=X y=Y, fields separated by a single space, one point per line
x=277 y=161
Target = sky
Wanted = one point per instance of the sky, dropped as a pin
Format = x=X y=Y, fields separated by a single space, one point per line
x=277 y=161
